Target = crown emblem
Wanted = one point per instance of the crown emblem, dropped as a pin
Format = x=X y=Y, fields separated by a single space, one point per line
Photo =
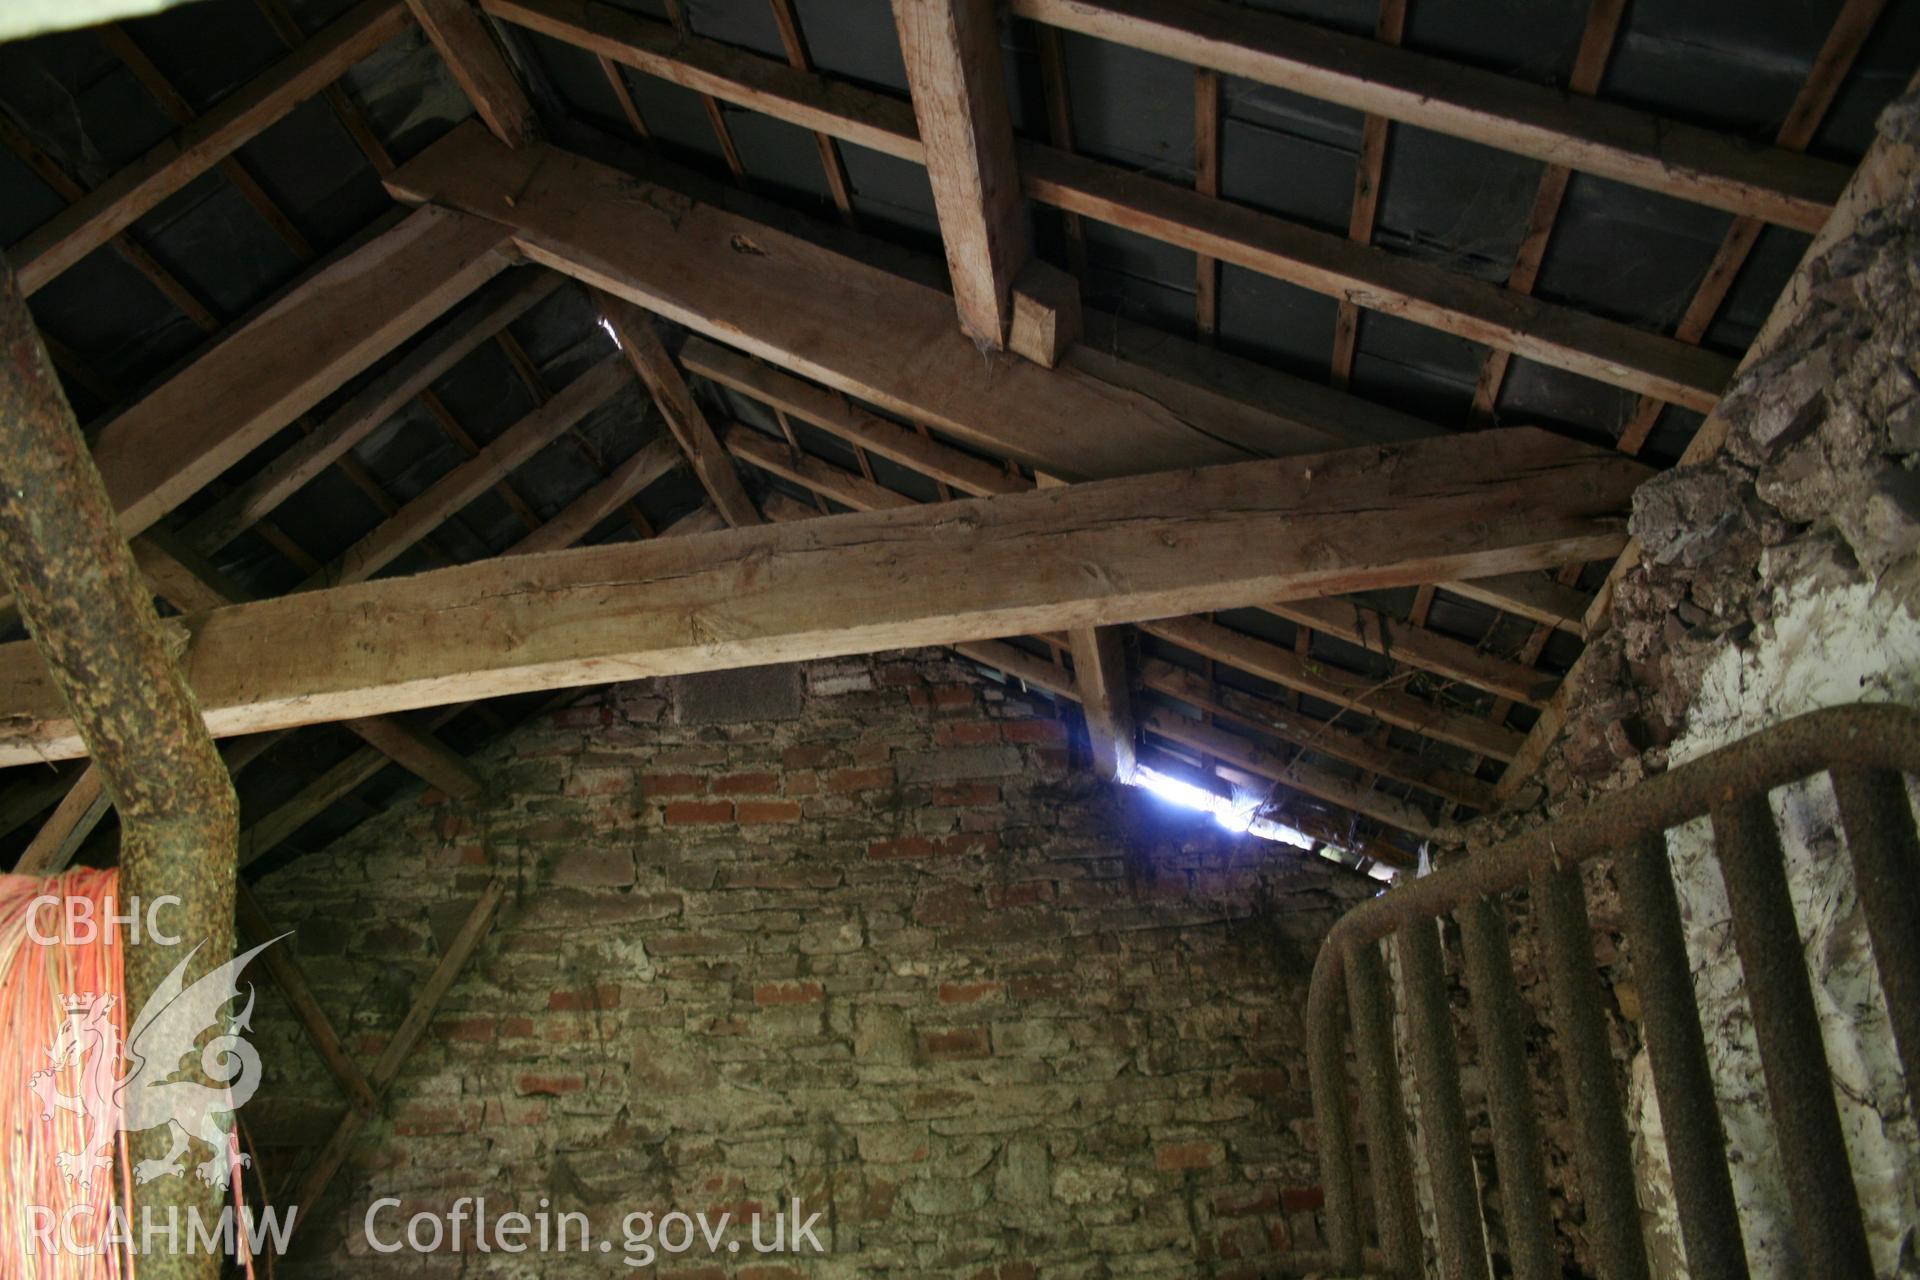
x=76 y=1004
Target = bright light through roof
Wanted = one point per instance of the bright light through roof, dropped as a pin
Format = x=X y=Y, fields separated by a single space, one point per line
x=1236 y=817
x=1176 y=790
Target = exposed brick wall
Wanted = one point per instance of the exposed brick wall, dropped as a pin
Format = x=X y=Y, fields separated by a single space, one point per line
x=862 y=932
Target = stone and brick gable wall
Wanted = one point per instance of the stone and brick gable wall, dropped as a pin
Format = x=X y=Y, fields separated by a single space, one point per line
x=865 y=933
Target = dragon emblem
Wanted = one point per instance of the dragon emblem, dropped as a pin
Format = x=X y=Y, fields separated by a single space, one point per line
x=147 y=1095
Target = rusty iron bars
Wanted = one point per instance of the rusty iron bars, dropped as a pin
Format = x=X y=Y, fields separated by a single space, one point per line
x=1866 y=749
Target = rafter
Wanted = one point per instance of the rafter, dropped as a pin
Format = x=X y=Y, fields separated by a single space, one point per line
x=137 y=256
x=241 y=116
x=1849 y=32
x=1368 y=167
x=1538 y=597
x=952 y=53
x=467 y=481
x=1381 y=699
x=1890 y=168
x=1054 y=679
x=351 y=118
x=161 y=89
x=1324 y=263
x=633 y=330
x=787 y=394
x=1100 y=678
x=1589 y=63
x=716 y=114
x=486 y=314
x=337 y=322
x=893 y=342
x=794 y=42
x=1319 y=736
x=1053 y=87
x=1320 y=783
x=461 y=37
x=1601 y=138
x=1452 y=302
x=1417 y=647
x=1206 y=181
x=824 y=479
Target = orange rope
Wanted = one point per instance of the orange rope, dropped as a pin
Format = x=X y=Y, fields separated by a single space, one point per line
x=36 y=981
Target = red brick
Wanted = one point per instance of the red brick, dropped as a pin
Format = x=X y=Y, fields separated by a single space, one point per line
x=970 y=733
x=604 y=995
x=464 y=1029
x=960 y=1042
x=751 y=811
x=1240 y=1203
x=548 y=1086
x=804 y=783
x=672 y=784
x=1041 y=986
x=948 y=904
x=599 y=782
x=968 y=842
x=968 y=992
x=1270 y=1082
x=1033 y=731
x=582 y=717
x=874 y=778
x=1302 y=1199
x=683 y=813
x=950 y=697
x=900 y=847
x=811 y=757
x=419 y=1119
x=899 y=673
x=1181 y=1157
x=512 y=1027
x=966 y=794
x=747 y=784
x=1238 y=1240
x=691 y=944
x=876 y=1204
x=1025 y=894
x=787 y=993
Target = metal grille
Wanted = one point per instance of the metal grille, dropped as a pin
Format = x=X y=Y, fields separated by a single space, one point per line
x=1865 y=749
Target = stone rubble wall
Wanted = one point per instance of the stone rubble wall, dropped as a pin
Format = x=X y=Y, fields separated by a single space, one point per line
x=863 y=932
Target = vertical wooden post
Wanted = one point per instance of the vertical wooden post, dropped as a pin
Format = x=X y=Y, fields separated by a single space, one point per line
x=93 y=622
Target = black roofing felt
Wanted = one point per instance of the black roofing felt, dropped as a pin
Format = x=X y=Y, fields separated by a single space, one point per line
x=1616 y=250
